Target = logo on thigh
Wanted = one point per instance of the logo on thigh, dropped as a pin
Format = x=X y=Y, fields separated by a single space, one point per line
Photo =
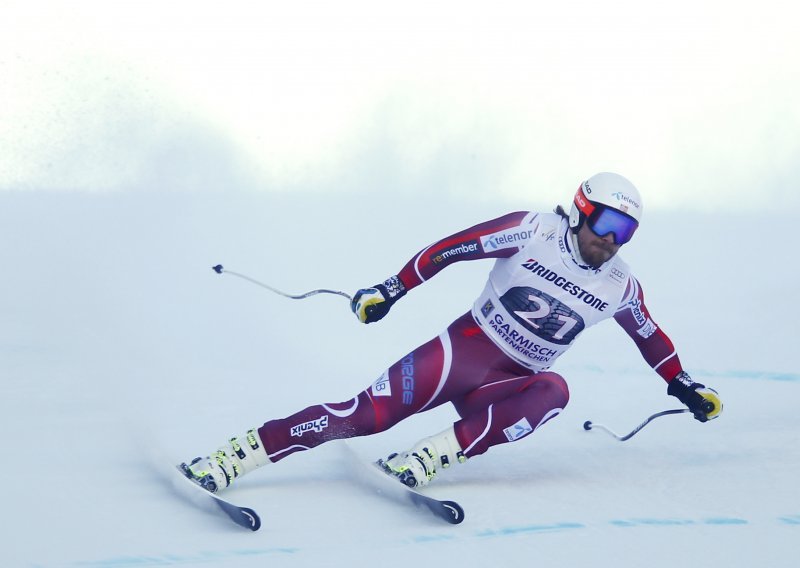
x=407 y=372
x=518 y=430
x=382 y=387
x=317 y=425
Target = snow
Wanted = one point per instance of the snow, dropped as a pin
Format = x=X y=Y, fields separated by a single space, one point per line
x=119 y=343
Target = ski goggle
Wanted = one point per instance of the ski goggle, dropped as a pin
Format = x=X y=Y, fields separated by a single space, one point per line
x=603 y=220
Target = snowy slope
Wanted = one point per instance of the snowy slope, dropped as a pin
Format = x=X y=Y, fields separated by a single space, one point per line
x=117 y=343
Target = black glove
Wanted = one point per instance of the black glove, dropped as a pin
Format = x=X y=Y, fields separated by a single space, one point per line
x=703 y=402
x=371 y=304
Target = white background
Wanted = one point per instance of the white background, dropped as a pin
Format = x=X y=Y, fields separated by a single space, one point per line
x=695 y=101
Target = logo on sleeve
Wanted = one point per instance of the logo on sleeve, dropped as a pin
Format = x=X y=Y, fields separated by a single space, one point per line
x=648 y=329
x=505 y=239
x=636 y=311
x=464 y=249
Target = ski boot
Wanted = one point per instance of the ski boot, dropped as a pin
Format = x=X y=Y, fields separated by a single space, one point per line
x=236 y=458
x=418 y=466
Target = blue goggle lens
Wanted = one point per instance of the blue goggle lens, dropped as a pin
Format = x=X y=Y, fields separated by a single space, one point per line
x=604 y=220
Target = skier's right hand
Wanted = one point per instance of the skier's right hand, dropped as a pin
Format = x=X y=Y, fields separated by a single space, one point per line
x=372 y=304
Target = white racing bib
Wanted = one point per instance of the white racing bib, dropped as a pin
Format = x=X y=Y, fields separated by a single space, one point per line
x=538 y=301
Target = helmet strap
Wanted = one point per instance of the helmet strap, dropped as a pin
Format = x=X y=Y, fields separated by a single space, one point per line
x=581 y=221
x=576 y=251
x=572 y=246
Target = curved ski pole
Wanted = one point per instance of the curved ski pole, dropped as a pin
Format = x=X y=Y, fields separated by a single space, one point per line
x=588 y=425
x=219 y=269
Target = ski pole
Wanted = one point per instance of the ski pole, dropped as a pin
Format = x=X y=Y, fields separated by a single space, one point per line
x=219 y=269
x=588 y=425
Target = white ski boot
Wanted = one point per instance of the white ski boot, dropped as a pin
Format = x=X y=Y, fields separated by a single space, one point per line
x=418 y=466
x=239 y=456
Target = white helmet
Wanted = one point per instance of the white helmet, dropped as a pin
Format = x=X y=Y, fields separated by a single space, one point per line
x=613 y=195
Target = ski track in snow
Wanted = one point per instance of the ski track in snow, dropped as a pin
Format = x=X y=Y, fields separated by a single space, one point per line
x=663 y=525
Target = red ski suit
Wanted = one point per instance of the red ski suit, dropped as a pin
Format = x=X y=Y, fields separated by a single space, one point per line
x=500 y=397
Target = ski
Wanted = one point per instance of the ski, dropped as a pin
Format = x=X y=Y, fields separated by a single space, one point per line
x=243 y=516
x=372 y=475
x=448 y=511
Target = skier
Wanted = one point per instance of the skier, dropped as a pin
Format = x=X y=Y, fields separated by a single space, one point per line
x=555 y=275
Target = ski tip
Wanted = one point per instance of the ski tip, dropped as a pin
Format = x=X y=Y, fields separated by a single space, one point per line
x=245 y=517
x=251 y=519
x=454 y=511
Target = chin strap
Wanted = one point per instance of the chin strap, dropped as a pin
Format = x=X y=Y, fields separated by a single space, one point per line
x=571 y=242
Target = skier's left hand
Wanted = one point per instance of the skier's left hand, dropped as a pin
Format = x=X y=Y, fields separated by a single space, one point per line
x=704 y=402
x=372 y=304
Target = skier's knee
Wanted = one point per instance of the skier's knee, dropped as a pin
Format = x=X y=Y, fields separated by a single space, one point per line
x=554 y=387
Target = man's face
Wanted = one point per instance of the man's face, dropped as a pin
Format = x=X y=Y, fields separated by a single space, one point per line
x=596 y=250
